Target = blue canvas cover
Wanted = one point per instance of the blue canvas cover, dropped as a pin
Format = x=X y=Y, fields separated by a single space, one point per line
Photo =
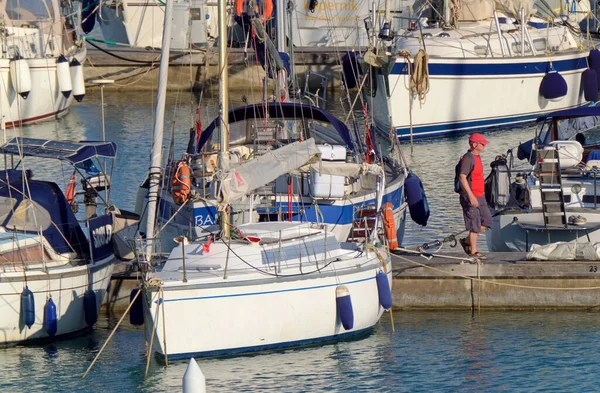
x=279 y=110
x=63 y=232
x=73 y=152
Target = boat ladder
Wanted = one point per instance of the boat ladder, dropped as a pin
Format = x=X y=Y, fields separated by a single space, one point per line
x=551 y=188
x=364 y=221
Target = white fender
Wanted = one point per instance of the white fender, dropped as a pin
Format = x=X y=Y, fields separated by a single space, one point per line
x=63 y=74
x=77 y=80
x=20 y=76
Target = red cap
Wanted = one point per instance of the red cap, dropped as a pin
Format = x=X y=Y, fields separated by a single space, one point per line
x=478 y=138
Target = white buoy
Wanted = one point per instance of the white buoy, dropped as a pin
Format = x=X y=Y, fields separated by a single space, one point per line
x=77 y=80
x=63 y=74
x=193 y=379
x=20 y=76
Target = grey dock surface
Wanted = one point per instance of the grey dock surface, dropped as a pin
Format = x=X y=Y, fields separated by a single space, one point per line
x=137 y=68
x=503 y=281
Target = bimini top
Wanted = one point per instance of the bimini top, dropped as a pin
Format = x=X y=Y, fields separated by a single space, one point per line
x=571 y=113
x=73 y=152
x=279 y=110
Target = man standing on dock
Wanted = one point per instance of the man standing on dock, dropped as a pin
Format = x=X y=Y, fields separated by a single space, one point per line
x=472 y=195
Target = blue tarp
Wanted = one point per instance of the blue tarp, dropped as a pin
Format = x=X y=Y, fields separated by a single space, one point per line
x=280 y=110
x=73 y=152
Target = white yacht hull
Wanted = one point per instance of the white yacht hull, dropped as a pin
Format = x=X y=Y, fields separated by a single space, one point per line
x=231 y=317
x=510 y=231
x=467 y=94
x=66 y=285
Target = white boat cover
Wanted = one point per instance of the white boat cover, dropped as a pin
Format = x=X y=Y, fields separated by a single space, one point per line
x=565 y=251
x=513 y=7
x=257 y=172
x=474 y=10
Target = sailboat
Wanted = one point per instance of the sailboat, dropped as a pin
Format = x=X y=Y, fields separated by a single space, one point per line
x=54 y=269
x=41 y=68
x=485 y=64
x=261 y=285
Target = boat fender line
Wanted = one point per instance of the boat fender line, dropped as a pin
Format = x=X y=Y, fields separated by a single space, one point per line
x=343 y=304
x=181 y=183
x=77 y=80
x=553 y=86
x=589 y=82
x=136 y=314
x=50 y=319
x=89 y=307
x=594 y=62
x=390 y=227
x=27 y=307
x=416 y=199
x=384 y=291
x=63 y=75
x=20 y=76
x=70 y=191
x=419 y=73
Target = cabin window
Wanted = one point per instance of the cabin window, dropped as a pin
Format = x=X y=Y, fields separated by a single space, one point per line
x=13 y=51
x=539 y=44
x=481 y=50
x=33 y=48
x=28 y=9
x=516 y=47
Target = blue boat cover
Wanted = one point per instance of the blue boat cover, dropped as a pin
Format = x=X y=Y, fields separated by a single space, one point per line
x=73 y=152
x=279 y=110
x=574 y=112
x=65 y=234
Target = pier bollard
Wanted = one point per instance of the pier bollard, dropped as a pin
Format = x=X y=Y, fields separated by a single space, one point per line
x=193 y=378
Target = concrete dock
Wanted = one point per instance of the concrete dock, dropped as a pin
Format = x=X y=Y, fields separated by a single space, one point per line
x=136 y=69
x=504 y=281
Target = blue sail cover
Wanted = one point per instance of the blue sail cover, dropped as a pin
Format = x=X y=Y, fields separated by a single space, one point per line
x=280 y=110
x=73 y=152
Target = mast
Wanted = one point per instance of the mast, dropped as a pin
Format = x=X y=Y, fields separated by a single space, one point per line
x=223 y=106
x=159 y=120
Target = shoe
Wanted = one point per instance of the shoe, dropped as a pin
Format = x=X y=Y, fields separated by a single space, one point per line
x=577 y=220
x=465 y=245
x=478 y=255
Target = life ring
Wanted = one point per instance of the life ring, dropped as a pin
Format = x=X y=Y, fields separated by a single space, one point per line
x=390 y=227
x=181 y=183
x=267 y=9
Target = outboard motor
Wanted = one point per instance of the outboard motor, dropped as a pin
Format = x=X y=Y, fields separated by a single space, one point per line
x=519 y=195
x=497 y=184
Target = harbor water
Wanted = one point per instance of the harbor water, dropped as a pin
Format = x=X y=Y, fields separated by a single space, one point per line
x=442 y=351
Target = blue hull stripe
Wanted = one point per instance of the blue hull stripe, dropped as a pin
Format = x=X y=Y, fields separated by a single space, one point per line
x=267 y=292
x=290 y=344
x=468 y=126
x=477 y=68
x=335 y=214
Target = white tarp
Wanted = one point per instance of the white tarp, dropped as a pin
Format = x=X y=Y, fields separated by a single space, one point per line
x=513 y=7
x=565 y=251
x=259 y=171
x=345 y=169
x=473 y=10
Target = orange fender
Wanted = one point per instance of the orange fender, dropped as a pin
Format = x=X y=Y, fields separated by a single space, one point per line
x=181 y=183
x=390 y=227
